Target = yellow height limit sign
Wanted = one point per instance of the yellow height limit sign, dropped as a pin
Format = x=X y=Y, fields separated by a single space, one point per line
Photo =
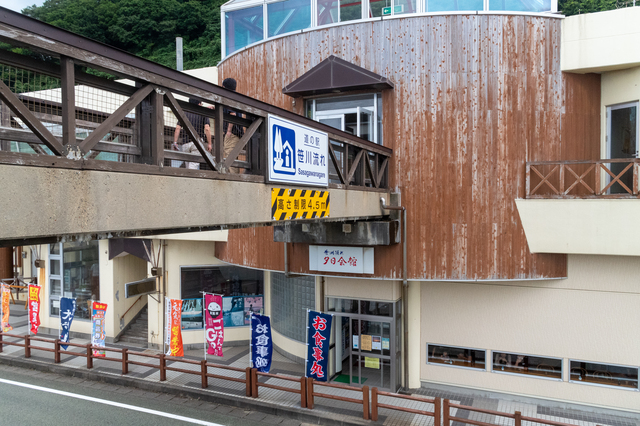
x=290 y=204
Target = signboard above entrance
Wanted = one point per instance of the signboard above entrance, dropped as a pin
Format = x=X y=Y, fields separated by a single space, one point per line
x=297 y=154
x=351 y=260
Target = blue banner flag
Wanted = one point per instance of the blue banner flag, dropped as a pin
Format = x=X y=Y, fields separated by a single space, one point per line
x=261 y=346
x=318 y=336
x=67 y=312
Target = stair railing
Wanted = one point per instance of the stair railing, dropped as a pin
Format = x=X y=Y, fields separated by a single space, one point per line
x=127 y=311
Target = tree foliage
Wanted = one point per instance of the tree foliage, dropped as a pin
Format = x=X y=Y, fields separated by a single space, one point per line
x=576 y=7
x=146 y=28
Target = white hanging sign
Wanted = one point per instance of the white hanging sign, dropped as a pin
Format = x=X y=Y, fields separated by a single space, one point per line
x=350 y=260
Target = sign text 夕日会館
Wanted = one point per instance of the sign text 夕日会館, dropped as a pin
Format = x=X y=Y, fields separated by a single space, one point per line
x=297 y=154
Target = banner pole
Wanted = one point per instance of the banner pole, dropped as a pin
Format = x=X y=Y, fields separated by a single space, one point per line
x=29 y=309
x=251 y=339
x=204 y=324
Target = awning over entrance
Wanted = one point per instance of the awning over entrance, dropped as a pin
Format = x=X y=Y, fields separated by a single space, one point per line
x=335 y=75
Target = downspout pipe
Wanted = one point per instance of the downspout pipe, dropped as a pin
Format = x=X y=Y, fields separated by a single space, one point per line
x=405 y=289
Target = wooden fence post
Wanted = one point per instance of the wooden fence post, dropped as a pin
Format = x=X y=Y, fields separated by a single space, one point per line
x=56 y=351
x=89 y=356
x=365 y=402
x=1 y=334
x=374 y=404
x=518 y=418
x=125 y=361
x=27 y=346
x=437 y=411
x=303 y=392
x=163 y=366
x=254 y=382
x=203 y=373
x=247 y=379
x=445 y=412
x=310 y=393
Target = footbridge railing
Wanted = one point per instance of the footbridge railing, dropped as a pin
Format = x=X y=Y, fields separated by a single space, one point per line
x=71 y=102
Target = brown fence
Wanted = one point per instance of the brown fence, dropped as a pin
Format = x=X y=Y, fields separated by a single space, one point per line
x=311 y=393
x=375 y=405
x=250 y=377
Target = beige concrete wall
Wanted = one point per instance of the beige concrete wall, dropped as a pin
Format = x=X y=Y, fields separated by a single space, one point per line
x=179 y=254
x=617 y=87
x=581 y=226
x=596 y=42
x=355 y=288
x=590 y=316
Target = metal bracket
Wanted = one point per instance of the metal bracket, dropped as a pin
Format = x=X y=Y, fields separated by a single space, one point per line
x=151 y=296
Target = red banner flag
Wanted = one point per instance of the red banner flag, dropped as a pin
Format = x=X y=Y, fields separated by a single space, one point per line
x=6 y=295
x=214 y=326
x=34 y=307
x=174 y=332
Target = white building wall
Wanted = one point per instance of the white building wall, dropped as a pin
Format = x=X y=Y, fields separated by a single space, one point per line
x=591 y=316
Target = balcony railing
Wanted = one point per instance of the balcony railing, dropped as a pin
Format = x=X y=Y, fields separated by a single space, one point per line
x=608 y=178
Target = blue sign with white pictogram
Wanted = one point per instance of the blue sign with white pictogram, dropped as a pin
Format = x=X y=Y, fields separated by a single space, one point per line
x=297 y=154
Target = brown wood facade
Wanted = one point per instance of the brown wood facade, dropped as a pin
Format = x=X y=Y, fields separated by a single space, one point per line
x=475 y=98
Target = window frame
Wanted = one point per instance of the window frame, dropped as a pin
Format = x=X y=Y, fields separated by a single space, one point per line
x=583 y=382
x=511 y=373
x=486 y=365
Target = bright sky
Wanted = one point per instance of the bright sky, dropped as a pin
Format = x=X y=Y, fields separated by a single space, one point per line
x=18 y=5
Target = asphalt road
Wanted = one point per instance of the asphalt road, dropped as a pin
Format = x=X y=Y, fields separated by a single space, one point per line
x=29 y=397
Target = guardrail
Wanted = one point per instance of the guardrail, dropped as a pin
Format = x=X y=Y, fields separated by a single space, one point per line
x=250 y=378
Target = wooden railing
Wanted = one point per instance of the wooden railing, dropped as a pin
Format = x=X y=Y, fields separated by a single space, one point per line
x=135 y=122
x=612 y=178
x=250 y=378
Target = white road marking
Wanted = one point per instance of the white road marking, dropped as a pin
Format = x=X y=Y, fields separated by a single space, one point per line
x=112 y=403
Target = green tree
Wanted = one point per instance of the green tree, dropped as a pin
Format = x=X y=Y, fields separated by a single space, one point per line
x=146 y=28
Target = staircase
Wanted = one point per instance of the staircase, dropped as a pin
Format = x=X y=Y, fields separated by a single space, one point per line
x=136 y=331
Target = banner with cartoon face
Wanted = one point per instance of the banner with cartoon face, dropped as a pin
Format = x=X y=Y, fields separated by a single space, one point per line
x=214 y=323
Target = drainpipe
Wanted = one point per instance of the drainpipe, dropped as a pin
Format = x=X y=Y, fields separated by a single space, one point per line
x=405 y=289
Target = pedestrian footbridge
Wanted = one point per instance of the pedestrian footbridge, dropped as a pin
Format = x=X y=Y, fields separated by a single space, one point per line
x=88 y=148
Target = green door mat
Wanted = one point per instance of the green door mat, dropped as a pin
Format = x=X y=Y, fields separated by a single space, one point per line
x=344 y=378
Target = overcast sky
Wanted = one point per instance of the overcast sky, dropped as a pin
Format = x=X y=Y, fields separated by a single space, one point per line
x=18 y=5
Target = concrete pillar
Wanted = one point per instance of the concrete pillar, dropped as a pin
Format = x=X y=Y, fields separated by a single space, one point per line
x=415 y=341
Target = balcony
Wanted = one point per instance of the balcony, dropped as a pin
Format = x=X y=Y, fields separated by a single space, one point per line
x=582 y=207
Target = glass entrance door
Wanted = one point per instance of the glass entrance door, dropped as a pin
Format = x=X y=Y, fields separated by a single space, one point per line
x=622 y=141
x=364 y=347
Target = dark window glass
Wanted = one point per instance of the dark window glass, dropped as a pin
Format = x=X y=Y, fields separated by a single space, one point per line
x=349 y=306
x=460 y=357
x=604 y=374
x=527 y=364
x=241 y=289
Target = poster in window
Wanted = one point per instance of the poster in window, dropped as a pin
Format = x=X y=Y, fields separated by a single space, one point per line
x=355 y=341
x=233 y=311
x=192 y=314
x=372 y=362
x=376 y=343
x=385 y=343
x=365 y=342
x=252 y=304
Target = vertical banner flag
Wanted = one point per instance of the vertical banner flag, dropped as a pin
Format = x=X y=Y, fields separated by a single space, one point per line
x=261 y=346
x=174 y=331
x=99 y=311
x=34 y=307
x=6 y=296
x=318 y=335
x=67 y=312
x=214 y=323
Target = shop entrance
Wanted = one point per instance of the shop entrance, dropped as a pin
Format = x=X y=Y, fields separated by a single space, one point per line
x=365 y=342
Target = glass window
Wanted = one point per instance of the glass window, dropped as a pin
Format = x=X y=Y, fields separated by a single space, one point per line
x=242 y=28
x=521 y=5
x=289 y=15
x=332 y=11
x=527 y=364
x=622 y=139
x=448 y=5
x=349 y=306
x=290 y=299
x=80 y=278
x=241 y=289
x=603 y=374
x=456 y=356
x=360 y=115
